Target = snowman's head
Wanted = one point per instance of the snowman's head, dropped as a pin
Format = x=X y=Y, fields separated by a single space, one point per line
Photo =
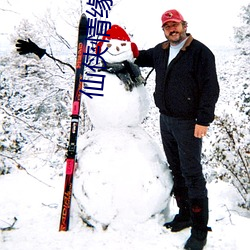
x=118 y=46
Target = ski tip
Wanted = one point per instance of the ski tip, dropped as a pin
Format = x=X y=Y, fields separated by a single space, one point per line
x=83 y=21
x=83 y=15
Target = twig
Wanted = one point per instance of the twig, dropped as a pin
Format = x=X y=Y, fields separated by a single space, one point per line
x=19 y=166
x=57 y=60
x=230 y=135
x=228 y=213
x=10 y=227
x=85 y=218
x=53 y=205
x=1 y=9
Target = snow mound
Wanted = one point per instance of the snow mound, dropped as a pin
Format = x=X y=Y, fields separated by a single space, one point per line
x=122 y=178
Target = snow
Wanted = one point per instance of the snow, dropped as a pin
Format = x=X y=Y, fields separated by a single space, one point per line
x=122 y=182
x=130 y=110
x=33 y=196
x=37 y=208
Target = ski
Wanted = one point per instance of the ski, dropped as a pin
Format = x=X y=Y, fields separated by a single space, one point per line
x=71 y=160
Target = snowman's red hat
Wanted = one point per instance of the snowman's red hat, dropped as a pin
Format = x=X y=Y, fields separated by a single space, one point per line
x=116 y=32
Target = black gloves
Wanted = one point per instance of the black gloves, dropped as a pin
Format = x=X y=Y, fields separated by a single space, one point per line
x=128 y=72
x=24 y=47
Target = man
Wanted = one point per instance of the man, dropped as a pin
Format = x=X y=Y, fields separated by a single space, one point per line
x=186 y=93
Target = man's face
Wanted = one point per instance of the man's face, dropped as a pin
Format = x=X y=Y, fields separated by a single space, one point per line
x=174 y=32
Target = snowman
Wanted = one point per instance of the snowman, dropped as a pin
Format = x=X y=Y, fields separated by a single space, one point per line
x=122 y=178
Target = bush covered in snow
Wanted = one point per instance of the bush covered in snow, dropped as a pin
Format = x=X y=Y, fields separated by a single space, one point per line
x=230 y=139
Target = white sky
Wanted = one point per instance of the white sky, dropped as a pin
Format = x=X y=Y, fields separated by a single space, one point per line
x=209 y=21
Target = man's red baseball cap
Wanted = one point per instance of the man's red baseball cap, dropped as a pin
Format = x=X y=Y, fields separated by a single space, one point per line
x=171 y=16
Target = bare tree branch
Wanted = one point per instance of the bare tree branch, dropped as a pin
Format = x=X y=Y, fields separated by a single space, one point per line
x=19 y=166
x=10 y=227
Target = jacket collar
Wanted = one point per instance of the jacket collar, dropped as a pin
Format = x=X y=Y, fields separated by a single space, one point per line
x=166 y=44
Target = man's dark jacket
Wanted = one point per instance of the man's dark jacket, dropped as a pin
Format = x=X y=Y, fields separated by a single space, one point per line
x=187 y=88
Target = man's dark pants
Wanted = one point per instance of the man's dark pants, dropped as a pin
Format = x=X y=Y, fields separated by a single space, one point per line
x=183 y=152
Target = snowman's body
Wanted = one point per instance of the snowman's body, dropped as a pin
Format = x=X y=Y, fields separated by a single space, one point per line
x=122 y=177
x=118 y=107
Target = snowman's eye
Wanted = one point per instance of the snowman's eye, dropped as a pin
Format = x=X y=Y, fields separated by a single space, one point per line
x=123 y=44
x=109 y=45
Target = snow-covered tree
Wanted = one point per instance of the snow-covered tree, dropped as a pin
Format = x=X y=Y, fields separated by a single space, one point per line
x=242 y=33
x=35 y=103
x=230 y=155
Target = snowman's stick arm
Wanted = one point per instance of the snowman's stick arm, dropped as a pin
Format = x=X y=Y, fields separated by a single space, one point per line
x=149 y=73
x=57 y=60
x=25 y=47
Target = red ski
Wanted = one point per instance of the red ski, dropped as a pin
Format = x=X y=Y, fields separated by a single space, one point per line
x=71 y=153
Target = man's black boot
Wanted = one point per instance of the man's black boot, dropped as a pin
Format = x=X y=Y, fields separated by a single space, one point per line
x=181 y=220
x=199 y=215
x=197 y=240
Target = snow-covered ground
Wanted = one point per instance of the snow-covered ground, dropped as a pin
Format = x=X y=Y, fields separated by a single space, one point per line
x=37 y=208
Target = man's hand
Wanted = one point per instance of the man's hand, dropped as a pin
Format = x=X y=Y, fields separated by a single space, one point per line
x=200 y=131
